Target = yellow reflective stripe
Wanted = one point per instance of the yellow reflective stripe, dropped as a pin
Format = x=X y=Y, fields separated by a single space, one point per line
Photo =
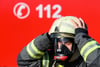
x=31 y=54
x=90 y=51
x=86 y=45
x=60 y=65
x=45 y=61
x=35 y=49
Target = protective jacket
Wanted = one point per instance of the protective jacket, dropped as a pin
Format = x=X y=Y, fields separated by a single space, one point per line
x=36 y=53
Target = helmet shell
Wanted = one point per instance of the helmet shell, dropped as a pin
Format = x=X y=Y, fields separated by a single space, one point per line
x=64 y=26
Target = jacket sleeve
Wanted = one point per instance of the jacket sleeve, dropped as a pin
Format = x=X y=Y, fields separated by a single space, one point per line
x=31 y=54
x=88 y=47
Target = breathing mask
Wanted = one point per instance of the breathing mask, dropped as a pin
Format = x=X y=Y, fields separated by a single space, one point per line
x=62 y=52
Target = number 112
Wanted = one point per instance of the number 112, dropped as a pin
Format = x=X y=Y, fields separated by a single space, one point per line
x=48 y=9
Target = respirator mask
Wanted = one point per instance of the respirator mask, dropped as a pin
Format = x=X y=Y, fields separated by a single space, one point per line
x=62 y=52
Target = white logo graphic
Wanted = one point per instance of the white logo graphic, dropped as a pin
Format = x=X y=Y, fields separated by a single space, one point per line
x=21 y=10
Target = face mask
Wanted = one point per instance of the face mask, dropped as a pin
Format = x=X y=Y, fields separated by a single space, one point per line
x=63 y=53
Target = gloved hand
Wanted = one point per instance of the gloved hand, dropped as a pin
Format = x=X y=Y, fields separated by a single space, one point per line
x=80 y=26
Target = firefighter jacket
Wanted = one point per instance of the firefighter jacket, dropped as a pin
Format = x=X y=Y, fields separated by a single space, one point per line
x=36 y=53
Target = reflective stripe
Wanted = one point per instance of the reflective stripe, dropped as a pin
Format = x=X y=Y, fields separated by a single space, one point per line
x=88 y=48
x=87 y=45
x=33 y=51
x=31 y=54
x=35 y=48
x=60 y=65
x=90 y=51
x=45 y=61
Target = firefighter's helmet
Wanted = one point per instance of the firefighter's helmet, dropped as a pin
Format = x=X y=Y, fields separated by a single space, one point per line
x=64 y=26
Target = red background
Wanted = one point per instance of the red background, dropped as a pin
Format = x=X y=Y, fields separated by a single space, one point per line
x=16 y=33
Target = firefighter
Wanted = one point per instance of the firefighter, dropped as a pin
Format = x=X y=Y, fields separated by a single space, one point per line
x=67 y=44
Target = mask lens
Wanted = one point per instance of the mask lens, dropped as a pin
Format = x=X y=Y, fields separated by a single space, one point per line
x=65 y=40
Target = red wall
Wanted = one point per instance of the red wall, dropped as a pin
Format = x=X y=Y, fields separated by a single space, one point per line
x=16 y=32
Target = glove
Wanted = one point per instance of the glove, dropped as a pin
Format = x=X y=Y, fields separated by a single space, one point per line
x=80 y=26
x=43 y=42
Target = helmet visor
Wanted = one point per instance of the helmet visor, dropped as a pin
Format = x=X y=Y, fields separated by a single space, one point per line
x=65 y=40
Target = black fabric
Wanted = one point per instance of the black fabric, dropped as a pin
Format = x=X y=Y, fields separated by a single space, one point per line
x=81 y=37
x=96 y=62
x=81 y=30
x=94 y=58
x=24 y=59
x=43 y=42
